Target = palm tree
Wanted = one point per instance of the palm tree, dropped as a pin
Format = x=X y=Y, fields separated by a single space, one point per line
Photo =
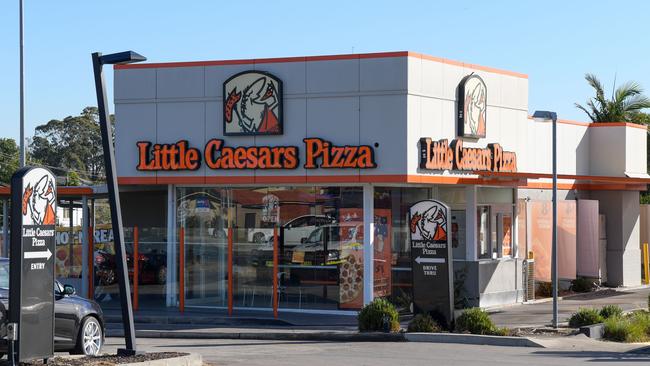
x=626 y=102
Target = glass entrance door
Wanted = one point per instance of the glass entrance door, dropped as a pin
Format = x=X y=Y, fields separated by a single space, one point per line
x=202 y=216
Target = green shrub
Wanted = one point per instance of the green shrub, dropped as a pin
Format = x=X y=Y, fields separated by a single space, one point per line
x=423 y=323
x=611 y=311
x=584 y=317
x=634 y=328
x=379 y=315
x=582 y=284
x=544 y=289
x=476 y=321
x=648 y=302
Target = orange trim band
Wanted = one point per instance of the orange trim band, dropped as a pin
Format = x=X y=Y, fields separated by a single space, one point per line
x=485 y=178
x=600 y=124
x=318 y=58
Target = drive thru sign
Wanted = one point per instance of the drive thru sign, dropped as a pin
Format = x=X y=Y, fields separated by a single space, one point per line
x=31 y=289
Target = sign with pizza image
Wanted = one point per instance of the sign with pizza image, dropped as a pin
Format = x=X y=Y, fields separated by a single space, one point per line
x=252 y=104
x=31 y=297
x=431 y=259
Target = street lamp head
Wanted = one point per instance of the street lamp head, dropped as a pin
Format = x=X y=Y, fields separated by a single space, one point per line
x=544 y=116
x=120 y=58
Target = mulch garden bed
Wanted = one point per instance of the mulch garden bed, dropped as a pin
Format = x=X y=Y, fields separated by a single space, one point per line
x=106 y=360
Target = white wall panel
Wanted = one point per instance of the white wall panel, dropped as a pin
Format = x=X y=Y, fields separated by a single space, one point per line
x=135 y=84
x=382 y=74
x=133 y=123
x=335 y=119
x=180 y=82
x=182 y=121
x=333 y=76
x=383 y=121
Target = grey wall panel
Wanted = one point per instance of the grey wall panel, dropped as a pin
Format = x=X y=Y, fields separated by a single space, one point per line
x=383 y=121
x=292 y=74
x=133 y=123
x=381 y=74
x=135 y=84
x=335 y=119
x=216 y=75
x=333 y=76
x=180 y=82
x=182 y=121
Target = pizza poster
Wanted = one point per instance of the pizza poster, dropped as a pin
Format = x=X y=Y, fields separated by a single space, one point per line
x=382 y=253
x=351 y=255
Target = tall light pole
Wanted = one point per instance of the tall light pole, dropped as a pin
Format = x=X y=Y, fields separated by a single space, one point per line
x=113 y=190
x=22 y=87
x=547 y=116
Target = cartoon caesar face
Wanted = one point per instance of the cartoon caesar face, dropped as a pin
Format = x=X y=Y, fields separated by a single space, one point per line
x=475 y=106
x=253 y=103
x=39 y=200
x=431 y=223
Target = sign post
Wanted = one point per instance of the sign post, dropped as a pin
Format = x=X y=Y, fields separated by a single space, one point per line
x=31 y=289
x=431 y=260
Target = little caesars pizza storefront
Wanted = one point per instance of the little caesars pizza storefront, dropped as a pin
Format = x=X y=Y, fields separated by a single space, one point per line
x=294 y=177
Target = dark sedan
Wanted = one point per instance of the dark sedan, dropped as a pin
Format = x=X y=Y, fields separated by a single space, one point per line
x=78 y=322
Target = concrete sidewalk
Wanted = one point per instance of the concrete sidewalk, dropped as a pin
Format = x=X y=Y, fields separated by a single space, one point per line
x=539 y=313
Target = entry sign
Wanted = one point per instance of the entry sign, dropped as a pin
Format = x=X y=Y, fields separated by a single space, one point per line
x=31 y=296
x=431 y=260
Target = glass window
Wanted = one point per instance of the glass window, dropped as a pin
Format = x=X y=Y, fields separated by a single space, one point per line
x=487 y=195
x=483 y=231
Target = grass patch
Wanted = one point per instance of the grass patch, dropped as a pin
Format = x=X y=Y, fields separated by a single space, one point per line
x=423 y=323
x=585 y=316
x=379 y=316
x=478 y=321
x=611 y=311
x=634 y=327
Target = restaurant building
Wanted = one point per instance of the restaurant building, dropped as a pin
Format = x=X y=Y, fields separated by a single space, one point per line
x=296 y=175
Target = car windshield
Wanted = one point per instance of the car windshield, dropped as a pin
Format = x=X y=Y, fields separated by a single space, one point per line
x=4 y=274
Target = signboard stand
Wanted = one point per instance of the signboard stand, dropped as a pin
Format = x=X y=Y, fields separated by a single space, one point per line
x=431 y=260
x=31 y=289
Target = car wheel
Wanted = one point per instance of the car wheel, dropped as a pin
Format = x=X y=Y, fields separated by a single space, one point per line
x=91 y=337
x=161 y=275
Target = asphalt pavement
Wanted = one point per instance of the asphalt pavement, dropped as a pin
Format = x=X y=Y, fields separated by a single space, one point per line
x=287 y=353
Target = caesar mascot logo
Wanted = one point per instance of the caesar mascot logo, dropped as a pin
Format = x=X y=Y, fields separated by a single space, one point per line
x=473 y=101
x=428 y=221
x=252 y=104
x=39 y=201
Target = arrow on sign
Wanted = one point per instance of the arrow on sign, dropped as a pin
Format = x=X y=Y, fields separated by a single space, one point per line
x=36 y=255
x=429 y=260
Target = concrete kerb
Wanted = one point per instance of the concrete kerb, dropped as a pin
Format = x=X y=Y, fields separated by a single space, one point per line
x=193 y=359
x=342 y=337
x=482 y=340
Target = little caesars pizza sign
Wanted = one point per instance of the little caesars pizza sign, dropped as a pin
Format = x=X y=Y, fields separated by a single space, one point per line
x=471 y=119
x=252 y=106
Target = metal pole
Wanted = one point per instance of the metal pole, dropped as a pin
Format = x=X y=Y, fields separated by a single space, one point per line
x=554 y=270
x=22 y=89
x=116 y=211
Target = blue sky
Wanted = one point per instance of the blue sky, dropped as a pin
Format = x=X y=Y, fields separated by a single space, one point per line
x=554 y=42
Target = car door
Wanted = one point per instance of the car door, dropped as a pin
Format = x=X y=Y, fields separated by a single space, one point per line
x=65 y=318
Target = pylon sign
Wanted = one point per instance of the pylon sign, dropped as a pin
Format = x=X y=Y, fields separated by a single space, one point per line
x=431 y=259
x=31 y=288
